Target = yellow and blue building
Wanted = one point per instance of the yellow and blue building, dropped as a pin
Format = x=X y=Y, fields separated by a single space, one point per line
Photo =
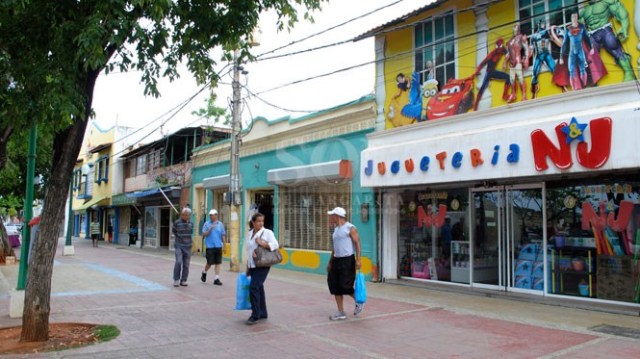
x=532 y=187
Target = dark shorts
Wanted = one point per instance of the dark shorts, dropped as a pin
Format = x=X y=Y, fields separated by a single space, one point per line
x=342 y=275
x=214 y=256
x=95 y=236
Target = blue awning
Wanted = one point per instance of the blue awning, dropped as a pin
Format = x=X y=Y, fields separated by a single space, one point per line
x=138 y=194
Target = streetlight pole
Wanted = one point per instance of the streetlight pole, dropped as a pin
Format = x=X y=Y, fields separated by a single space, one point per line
x=234 y=175
x=28 y=209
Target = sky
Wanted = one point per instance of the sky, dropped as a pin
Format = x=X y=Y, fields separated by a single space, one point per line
x=119 y=97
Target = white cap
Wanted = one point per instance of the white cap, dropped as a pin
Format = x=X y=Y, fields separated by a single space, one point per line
x=213 y=212
x=338 y=211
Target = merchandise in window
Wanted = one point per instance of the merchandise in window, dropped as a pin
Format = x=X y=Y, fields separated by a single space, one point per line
x=594 y=240
x=432 y=232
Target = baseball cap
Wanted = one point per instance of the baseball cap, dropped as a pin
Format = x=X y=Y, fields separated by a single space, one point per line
x=213 y=212
x=338 y=211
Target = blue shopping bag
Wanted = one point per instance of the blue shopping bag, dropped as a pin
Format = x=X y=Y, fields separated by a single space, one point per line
x=242 y=292
x=360 y=289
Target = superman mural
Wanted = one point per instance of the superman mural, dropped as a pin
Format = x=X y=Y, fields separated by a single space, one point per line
x=581 y=46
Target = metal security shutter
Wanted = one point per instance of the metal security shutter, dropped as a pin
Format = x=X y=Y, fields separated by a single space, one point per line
x=304 y=223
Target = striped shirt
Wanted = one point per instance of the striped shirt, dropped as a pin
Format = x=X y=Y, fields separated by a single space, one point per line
x=95 y=228
x=182 y=233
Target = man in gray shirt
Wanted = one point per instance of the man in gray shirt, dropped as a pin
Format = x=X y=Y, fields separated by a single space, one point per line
x=183 y=239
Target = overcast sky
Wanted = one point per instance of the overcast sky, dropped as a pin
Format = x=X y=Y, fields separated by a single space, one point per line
x=119 y=97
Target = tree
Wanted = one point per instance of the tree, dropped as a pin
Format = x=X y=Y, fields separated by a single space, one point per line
x=51 y=54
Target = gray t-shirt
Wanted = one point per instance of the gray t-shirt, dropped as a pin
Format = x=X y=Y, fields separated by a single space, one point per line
x=342 y=243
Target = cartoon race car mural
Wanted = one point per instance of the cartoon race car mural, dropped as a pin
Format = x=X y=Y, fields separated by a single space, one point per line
x=455 y=97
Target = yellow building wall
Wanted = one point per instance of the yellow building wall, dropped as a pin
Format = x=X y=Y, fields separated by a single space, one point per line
x=95 y=136
x=399 y=55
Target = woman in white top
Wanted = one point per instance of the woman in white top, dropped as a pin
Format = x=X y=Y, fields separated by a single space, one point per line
x=263 y=237
x=344 y=262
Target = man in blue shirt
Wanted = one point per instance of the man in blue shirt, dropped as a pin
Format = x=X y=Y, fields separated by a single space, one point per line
x=214 y=237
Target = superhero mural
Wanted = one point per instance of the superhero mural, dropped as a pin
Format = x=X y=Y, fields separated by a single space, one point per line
x=571 y=53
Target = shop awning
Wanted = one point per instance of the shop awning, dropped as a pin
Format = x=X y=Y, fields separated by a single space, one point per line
x=151 y=191
x=99 y=201
x=217 y=182
x=138 y=194
x=333 y=171
x=122 y=200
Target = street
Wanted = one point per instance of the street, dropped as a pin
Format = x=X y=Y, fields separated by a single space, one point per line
x=132 y=289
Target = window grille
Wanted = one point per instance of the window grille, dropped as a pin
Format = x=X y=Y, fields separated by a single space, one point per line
x=303 y=219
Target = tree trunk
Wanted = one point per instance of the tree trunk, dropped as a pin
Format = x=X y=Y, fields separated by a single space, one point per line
x=5 y=133
x=66 y=147
x=5 y=246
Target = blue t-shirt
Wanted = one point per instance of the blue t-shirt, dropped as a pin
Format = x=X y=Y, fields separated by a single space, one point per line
x=214 y=239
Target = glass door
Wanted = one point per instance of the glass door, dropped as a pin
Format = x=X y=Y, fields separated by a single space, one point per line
x=526 y=232
x=507 y=241
x=488 y=238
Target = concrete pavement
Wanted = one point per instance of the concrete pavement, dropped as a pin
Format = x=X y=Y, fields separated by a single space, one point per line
x=132 y=289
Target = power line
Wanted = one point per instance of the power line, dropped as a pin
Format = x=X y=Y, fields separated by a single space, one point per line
x=412 y=51
x=183 y=104
x=326 y=30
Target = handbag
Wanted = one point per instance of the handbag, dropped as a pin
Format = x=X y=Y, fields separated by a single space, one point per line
x=265 y=257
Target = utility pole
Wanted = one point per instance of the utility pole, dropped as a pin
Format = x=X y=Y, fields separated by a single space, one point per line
x=234 y=184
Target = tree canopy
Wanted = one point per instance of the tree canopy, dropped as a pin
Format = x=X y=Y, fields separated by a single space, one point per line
x=52 y=52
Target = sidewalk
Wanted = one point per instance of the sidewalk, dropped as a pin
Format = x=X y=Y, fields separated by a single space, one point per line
x=132 y=289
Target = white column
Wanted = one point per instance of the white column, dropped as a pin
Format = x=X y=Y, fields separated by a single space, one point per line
x=482 y=26
x=636 y=22
x=380 y=83
x=390 y=221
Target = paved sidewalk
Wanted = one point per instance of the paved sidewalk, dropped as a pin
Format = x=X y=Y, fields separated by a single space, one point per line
x=132 y=288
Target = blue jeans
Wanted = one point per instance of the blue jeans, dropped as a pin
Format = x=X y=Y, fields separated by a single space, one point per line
x=181 y=268
x=256 y=292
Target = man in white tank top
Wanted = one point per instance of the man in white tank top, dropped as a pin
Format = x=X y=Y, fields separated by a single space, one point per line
x=344 y=261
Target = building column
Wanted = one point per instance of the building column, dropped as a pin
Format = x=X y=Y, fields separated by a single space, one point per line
x=482 y=28
x=390 y=222
x=380 y=84
x=636 y=20
x=116 y=225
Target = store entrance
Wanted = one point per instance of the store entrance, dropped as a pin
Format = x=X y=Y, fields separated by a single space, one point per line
x=507 y=241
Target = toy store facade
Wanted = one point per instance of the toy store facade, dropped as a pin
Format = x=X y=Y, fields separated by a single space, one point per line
x=506 y=154
x=541 y=198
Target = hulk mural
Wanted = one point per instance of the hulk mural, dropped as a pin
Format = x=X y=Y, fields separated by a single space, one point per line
x=580 y=48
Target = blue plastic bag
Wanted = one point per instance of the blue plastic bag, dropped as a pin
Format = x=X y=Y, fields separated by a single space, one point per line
x=360 y=289
x=242 y=292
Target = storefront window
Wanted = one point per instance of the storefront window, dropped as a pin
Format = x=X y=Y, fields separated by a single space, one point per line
x=432 y=227
x=304 y=223
x=594 y=240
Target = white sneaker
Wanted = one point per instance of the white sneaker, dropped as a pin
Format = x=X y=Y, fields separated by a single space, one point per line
x=338 y=316
x=359 y=308
x=176 y=283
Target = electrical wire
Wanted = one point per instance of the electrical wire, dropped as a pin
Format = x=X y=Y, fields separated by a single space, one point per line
x=327 y=30
x=411 y=52
x=180 y=105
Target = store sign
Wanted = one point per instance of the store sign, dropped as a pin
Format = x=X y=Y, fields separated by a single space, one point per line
x=593 y=154
x=442 y=161
x=595 y=157
x=429 y=219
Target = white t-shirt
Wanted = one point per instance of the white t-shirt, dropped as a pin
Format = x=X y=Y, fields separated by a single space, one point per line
x=342 y=243
x=267 y=235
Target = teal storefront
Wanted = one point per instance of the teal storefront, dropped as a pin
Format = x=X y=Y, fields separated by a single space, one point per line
x=294 y=171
